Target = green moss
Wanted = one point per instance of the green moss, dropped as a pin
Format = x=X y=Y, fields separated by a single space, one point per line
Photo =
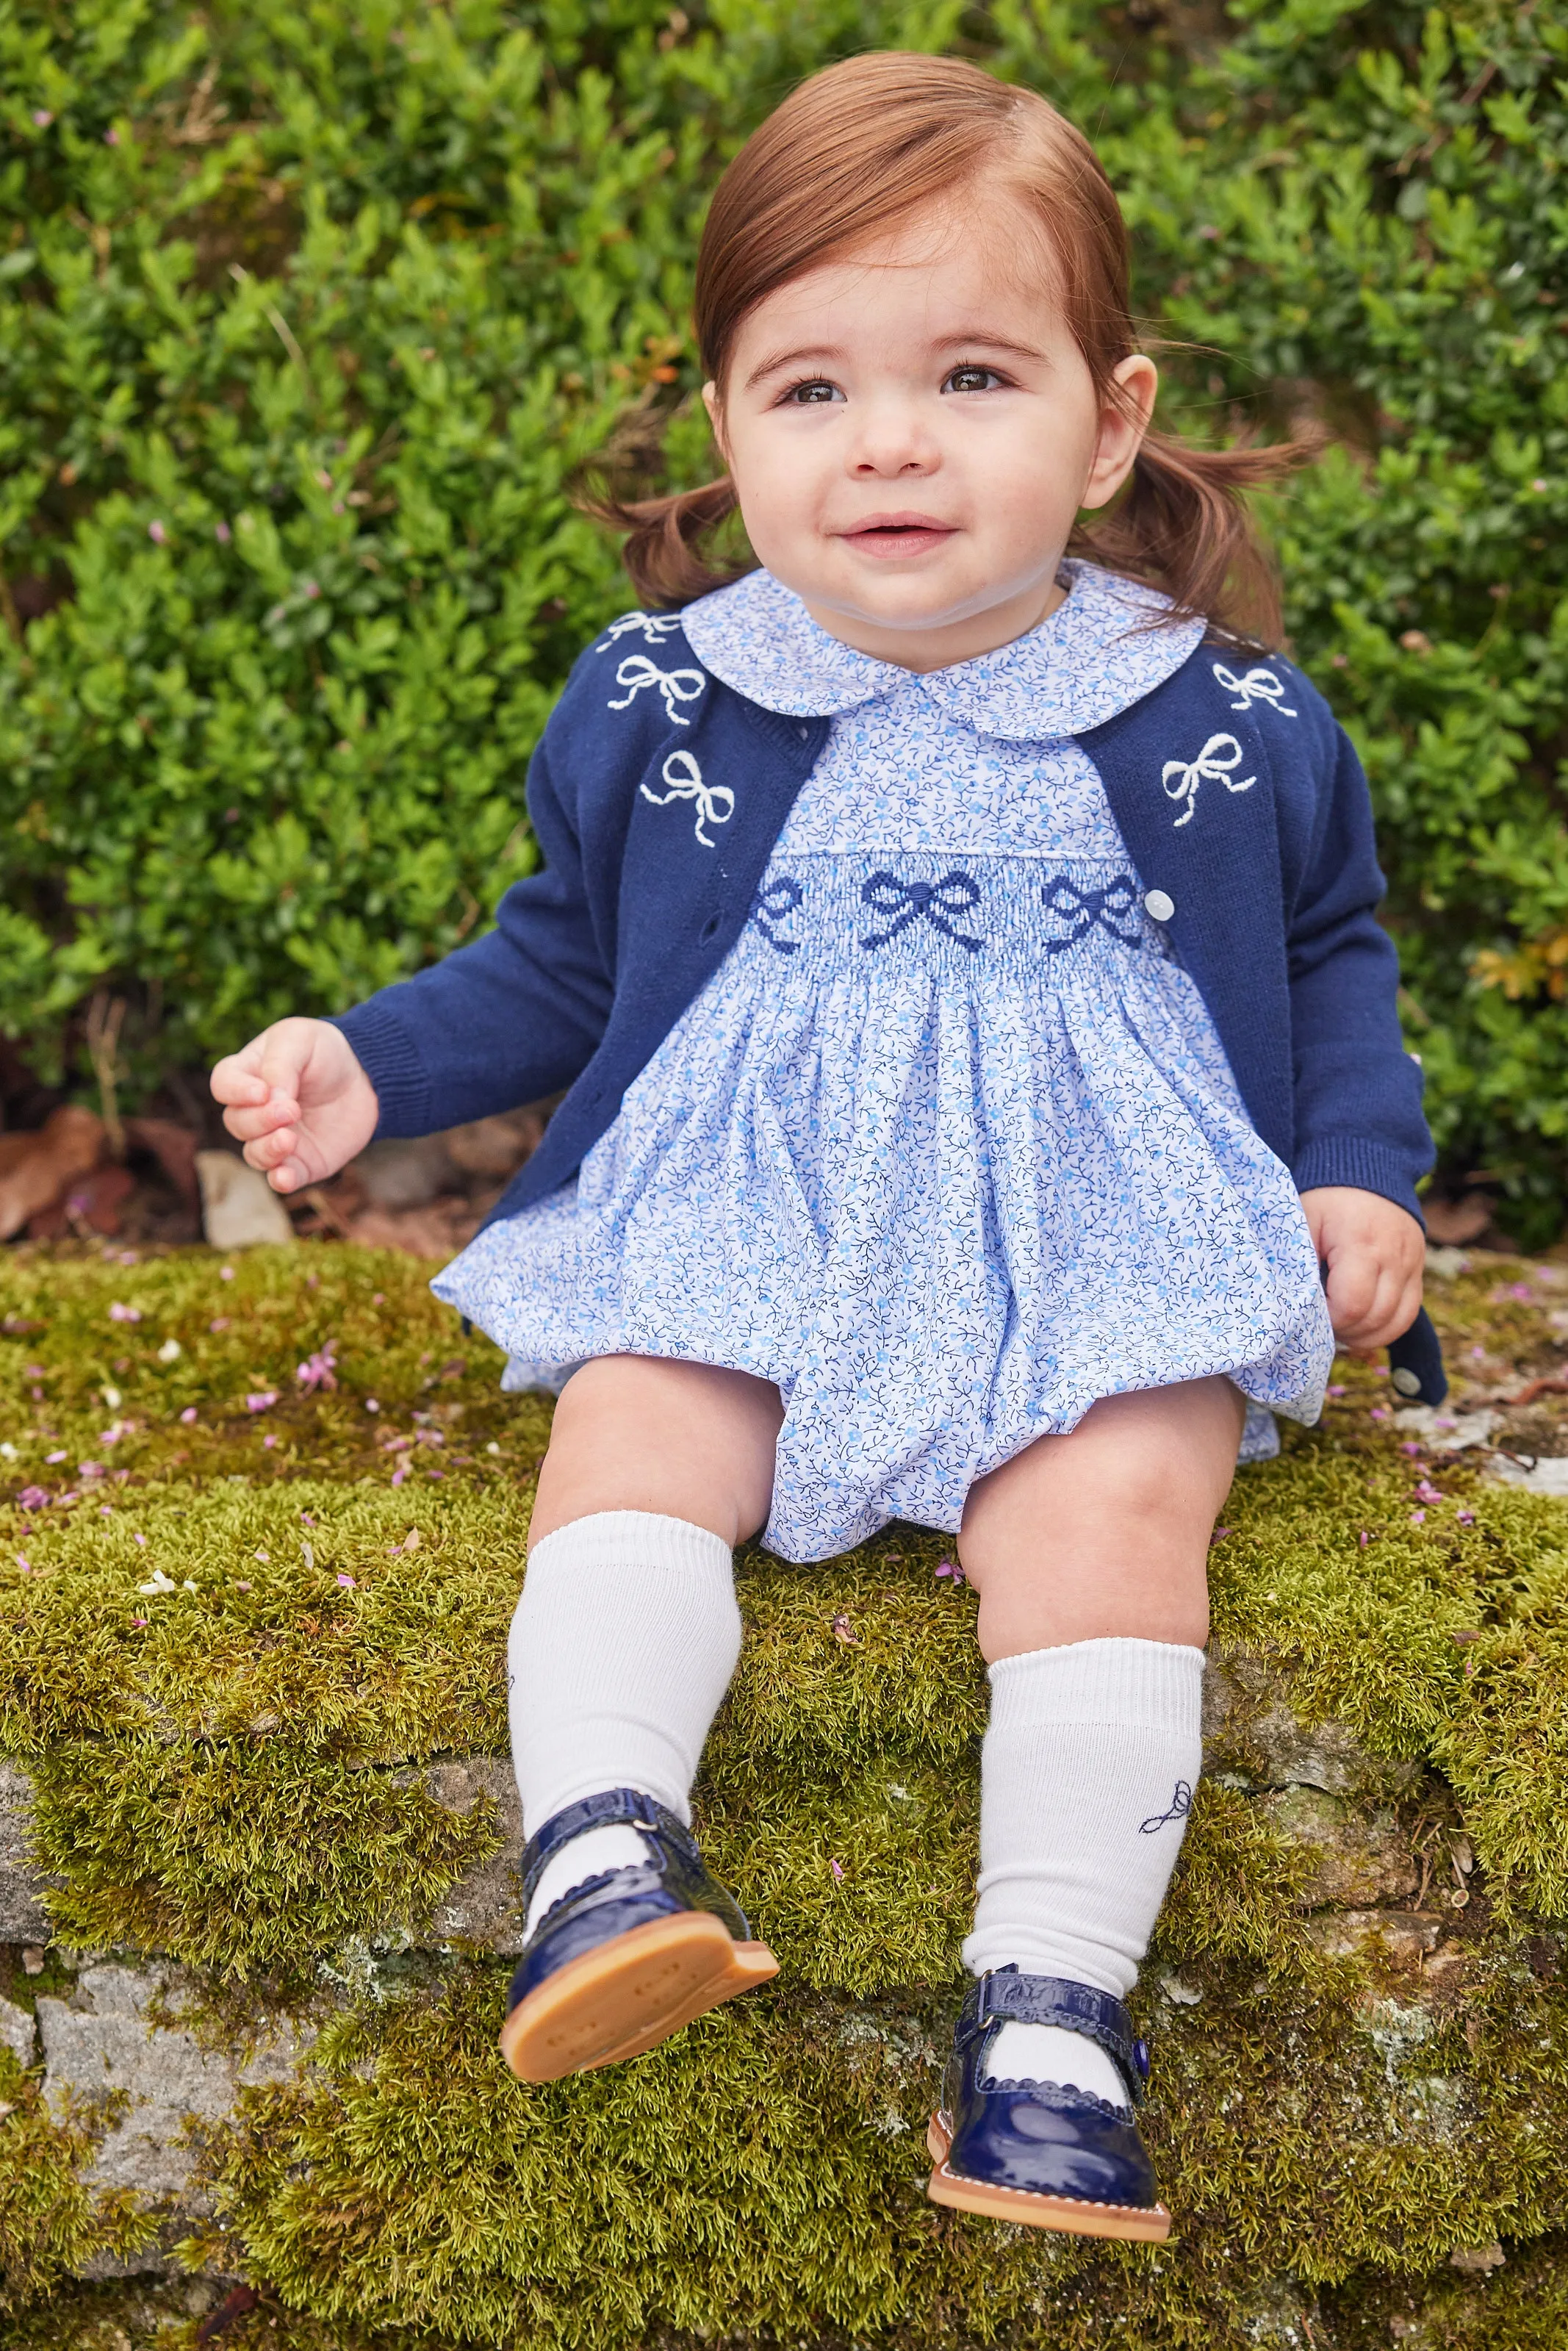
x=237 y=1781
x=51 y=2220
x=765 y=2170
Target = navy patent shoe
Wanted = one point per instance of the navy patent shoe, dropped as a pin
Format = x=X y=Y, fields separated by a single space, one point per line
x=1033 y=2151
x=626 y=1958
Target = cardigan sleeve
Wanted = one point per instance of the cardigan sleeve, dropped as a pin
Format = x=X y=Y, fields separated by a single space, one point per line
x=1357 y=1091
x=512 y=1017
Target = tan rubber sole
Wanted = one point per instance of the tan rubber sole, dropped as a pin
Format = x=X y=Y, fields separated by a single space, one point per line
x=1072 y=2215
x=629 y=1995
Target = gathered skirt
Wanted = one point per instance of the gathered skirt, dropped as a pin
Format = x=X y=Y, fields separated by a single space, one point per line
x=949 y=1149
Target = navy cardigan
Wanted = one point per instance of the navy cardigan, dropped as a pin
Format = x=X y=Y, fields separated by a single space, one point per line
x=1239 y=797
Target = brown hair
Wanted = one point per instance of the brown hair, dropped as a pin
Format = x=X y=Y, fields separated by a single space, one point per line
x=852 y=153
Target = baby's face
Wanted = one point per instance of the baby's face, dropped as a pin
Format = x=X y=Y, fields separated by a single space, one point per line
x=912 y=432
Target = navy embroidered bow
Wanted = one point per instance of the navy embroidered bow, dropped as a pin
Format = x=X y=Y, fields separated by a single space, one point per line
x=937 y=903
x=776 y=904
x=1180 y=1806
x=1083 y=908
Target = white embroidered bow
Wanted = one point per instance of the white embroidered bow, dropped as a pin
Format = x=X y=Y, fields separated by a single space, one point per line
x=655 y=628
x=1216 y=764
x=1258 y=685
x=675 y=685
x=685 y=778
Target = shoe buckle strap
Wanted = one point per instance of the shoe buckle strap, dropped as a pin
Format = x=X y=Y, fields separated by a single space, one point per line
x=611 y=1807
x=1006 y=1997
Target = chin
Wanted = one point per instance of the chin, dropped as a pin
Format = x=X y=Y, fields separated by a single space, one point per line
x=900 y=601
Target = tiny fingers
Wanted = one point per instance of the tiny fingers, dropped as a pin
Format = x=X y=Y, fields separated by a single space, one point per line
x=236 y=1084
x=1391 y=1303
x=274 y=1151
x=1353 y=1288
x=275 y=1112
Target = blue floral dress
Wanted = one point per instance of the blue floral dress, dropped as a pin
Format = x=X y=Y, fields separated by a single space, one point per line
x=948 y=1148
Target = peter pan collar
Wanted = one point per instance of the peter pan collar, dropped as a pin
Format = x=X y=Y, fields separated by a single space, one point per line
x=1093 y=658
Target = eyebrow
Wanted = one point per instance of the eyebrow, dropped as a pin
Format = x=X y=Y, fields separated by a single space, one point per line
x=967 y=340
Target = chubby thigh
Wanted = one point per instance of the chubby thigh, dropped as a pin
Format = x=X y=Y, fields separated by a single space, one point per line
x=1101 y=1533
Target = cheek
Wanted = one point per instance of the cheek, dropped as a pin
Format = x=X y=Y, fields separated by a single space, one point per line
x=775 y=485
x=1042 y=465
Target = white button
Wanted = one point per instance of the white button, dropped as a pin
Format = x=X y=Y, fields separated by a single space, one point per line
x=1407 y=1382
x=1158 y=906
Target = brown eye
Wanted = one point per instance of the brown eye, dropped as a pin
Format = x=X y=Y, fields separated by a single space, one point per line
x=971 y=378
x=808 y=395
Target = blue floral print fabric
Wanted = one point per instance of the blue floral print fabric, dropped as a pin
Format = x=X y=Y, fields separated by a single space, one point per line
x=948 y=1148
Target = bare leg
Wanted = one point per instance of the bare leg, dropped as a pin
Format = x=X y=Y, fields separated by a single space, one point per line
x=687 y=1440
x=1104 y=1533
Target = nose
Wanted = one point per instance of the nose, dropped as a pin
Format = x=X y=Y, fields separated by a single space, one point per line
x=893 y=440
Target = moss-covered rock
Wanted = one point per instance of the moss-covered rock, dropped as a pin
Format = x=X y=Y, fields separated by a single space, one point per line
x=251 y=1634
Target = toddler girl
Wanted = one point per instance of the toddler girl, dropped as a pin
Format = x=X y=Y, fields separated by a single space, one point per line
x=956 y=944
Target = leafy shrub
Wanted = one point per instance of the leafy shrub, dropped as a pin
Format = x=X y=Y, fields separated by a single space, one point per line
x=307 y=311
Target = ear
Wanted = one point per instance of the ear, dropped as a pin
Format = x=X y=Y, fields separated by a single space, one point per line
x=714 y=407
x=1123 y=424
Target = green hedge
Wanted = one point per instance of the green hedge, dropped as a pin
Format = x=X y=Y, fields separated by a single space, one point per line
x=307 y=311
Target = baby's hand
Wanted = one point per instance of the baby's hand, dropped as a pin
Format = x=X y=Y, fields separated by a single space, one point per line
x=1375 y=1255
x=298 y=1100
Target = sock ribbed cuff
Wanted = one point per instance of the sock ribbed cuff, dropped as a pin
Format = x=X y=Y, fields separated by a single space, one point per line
x=1115 y=1682
x=627 y=1539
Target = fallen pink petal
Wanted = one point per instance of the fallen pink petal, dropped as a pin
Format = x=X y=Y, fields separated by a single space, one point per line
x=261 y=1400
x=347 y=1582
x=837 y=1867
x=317 y=1371
x=189 y=1416
x=32 y=1498
x=119 y=1313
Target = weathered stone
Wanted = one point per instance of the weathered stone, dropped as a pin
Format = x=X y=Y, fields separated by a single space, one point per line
x=1477 y=2261
x=405 y=1175
x=23 y=1917
x=239 y=1207
x=1402 y=1937
x=105 y=2038
x=1441 y=1430
x=1250 y=1725
x=486 y=1906
x=18 y=2032
x=1358 y=1858
x=1546 y=1474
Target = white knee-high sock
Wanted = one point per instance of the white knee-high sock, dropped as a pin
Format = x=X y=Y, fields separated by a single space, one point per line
x=1087 y=1775
x=620 y=1651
